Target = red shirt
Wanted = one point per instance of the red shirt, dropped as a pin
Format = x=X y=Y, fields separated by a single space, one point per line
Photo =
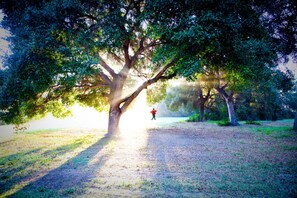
x=154 y=111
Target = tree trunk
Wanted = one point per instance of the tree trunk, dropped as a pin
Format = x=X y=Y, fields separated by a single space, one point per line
x=114 y=120
x=115 y=111
x=201 y=108
x=231 y=112
x=230 y=105
x=295 y=122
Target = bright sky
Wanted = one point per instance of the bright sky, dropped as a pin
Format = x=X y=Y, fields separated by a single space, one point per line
x=293 y=67
x=3 y=43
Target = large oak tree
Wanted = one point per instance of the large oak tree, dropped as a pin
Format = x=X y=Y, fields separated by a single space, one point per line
x=79 y=51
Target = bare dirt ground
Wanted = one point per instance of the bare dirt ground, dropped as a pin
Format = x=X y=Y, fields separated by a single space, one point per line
x=177 y=160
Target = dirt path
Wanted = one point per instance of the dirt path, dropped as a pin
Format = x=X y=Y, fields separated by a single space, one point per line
x=179 y=160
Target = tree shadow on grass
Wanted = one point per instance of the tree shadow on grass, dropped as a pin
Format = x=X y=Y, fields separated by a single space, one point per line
x=12 y=168
x=171 y=176
x=70 y=176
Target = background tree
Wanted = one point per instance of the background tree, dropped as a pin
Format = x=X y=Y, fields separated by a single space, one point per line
x=206 y=85
x=289 y=101
x=182 y=98
x=238 y=41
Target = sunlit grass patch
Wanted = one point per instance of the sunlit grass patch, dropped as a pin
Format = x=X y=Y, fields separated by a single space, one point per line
x=36 y=132
x=30 y=155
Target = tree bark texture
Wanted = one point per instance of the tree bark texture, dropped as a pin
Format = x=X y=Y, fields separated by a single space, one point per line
x=201 y=109
x=114 y=120
x=231 y=112
x=202 y=101
x=230 y=105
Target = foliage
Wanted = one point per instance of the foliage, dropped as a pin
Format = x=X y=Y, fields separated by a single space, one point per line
x=218 y=111
x=156 y=92
x=224 y=123
x=194 y=118
x=86 y=52
x=78 y=51
x=182 y=96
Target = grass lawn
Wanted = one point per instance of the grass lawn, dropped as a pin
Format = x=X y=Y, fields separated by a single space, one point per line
x=174 y=160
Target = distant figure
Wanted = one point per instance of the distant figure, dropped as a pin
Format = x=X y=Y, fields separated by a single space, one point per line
x=153 y=112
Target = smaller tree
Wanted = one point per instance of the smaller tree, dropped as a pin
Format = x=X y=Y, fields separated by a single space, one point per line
x=227 y=86
x=182 y=97
x=290 y=99
x=205 y=83
x=190 y=95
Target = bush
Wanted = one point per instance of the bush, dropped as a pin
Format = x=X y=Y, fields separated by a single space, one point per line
x=224 y=123
x=194 y=118
x=216 y=114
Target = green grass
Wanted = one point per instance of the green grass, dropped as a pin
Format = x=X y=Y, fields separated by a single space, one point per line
x=37 y=151
x=36 y=132
x=212 y=121
x=275 y=131
x=252 y=122
x=290 y=148
x=243 y=171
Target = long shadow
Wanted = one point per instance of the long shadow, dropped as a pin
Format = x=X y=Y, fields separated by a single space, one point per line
x=70 y=176
x=21 y=166
x=169 y=178
x=156 y=185
x=10 y=167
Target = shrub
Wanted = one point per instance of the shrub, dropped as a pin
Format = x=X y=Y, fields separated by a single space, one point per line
x=224 y=123
x=216 y=114
x=194 y=118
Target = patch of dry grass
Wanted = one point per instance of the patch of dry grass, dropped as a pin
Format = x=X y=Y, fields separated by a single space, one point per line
x=176 y=160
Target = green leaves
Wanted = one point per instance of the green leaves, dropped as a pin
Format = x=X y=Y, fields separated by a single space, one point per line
x=55 y=47
x=156 y=93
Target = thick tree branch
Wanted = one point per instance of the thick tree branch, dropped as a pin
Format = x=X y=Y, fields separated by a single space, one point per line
x=141 y=49
x=117 y=58
x=128 y=100
x=169 y=76
x=126 y=53
x=90 y=85
x=222 y=92
x=105 y=78
x=163 y=69
x=106 y=67
x=224 y=86
x=208 y=94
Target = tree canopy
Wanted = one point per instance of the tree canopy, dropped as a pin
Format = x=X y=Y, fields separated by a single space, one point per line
x=92 y=52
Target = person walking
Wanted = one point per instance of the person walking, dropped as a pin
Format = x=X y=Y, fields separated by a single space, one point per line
x=153 y=112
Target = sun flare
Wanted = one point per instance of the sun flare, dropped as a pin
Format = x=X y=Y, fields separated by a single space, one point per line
x=137 y=118
x=83 y=118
